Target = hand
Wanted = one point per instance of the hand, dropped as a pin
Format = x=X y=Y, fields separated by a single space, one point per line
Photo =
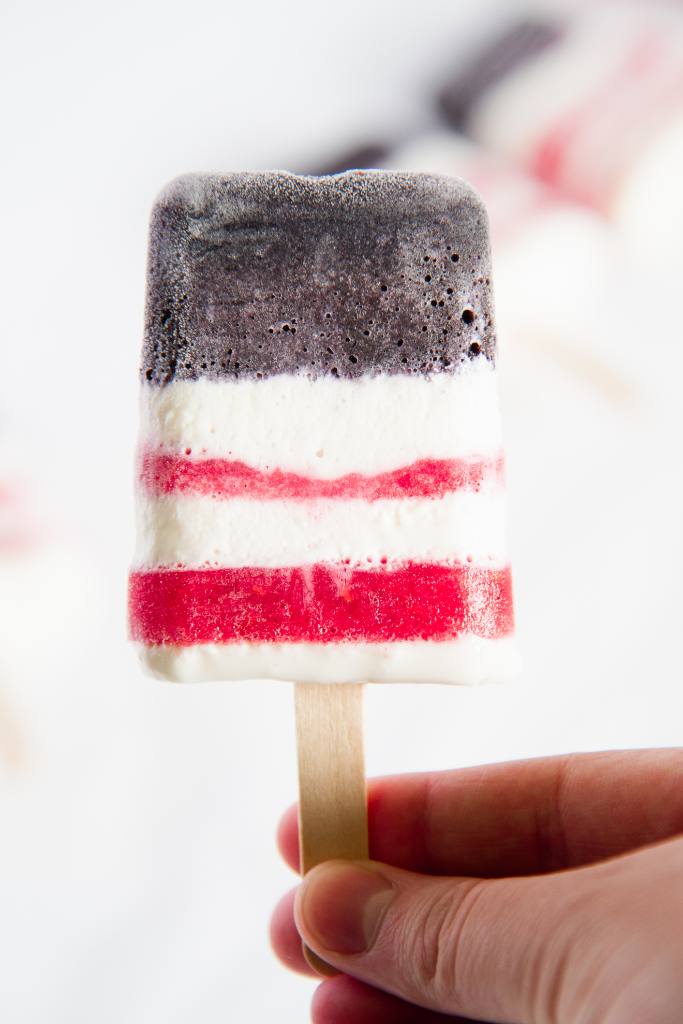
x=538 y=892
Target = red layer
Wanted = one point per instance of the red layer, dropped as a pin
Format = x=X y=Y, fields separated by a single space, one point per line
x=320 y=603
x=227 y=478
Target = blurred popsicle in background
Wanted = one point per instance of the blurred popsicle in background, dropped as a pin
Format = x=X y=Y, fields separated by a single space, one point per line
x=17 y=538
x=589 y=101
x=45 y=591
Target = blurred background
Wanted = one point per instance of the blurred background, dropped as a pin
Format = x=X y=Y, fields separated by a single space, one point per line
x=137 y=859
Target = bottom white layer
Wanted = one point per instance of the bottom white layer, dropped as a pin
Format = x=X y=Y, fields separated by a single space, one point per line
x=467 y=661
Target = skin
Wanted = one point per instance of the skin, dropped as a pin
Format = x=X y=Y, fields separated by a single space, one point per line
x=537 y=892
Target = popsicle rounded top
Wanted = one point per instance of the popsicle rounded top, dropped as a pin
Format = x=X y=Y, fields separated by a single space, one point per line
x=257 y=274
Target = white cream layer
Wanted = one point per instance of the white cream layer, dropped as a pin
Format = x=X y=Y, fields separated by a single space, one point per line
x=467 y=661
x=198 y=531
x=326 y=428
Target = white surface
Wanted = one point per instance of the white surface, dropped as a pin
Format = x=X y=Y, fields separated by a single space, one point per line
x=329 y=427
x=137 y=865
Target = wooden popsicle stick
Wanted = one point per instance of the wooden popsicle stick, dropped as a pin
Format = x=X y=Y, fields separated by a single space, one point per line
x=333 y=821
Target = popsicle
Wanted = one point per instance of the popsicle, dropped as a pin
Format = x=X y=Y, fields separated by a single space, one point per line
x=591 y=102
x=320 y=488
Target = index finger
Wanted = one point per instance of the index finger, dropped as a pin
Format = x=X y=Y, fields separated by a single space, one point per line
x=519 y=818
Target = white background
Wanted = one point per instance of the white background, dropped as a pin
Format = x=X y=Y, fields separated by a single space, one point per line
x=137 y=862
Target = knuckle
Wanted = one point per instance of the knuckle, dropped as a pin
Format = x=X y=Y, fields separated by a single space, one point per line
x=438 y=944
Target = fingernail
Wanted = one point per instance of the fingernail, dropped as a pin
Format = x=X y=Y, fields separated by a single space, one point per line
x=341 y=906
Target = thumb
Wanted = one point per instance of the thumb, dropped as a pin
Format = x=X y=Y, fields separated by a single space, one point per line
x=494 y=949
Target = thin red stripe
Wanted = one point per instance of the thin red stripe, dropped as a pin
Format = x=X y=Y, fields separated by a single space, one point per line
x=320 y=603
x=226 y=478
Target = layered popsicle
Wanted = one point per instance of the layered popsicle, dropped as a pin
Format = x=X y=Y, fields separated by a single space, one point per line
x=320 y=479
x=590 y=102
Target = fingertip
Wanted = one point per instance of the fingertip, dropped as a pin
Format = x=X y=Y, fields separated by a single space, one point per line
x=340 y=905
x=323 y=1002
x=285 y=938
x=343 y=999
x=287 y=837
